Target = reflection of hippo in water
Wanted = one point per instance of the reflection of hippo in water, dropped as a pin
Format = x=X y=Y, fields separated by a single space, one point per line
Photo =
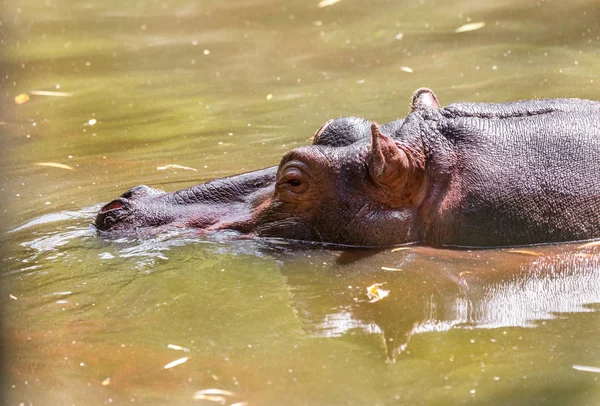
x=440 y=290
x=467 y=174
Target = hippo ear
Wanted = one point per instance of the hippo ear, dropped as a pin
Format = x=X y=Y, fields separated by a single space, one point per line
x=388 y=163
x=424 y=98
x=320 y=131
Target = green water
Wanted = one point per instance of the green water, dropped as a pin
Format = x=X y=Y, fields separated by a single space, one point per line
x=229 y=86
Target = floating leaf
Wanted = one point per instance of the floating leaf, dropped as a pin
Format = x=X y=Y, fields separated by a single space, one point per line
x=48 y=93
x=211 y=398
x=175 y=166
x=387 y=268
x=325 y=3
x=401 y=249
x=55 y=165
x=470 y=27
x=220 y=392
x=22 y=98
x=176 y=362
x=375 y=293
x=178 y=348
x=590 y=244
x=586 y=368
x=525 y=252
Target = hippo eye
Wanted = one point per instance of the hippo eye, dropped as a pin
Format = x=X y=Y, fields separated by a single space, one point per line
x=293 y=179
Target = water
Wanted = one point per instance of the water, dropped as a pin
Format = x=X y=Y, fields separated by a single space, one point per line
x=226 y=87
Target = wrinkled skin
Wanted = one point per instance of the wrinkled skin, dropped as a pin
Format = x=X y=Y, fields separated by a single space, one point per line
x=469 y=174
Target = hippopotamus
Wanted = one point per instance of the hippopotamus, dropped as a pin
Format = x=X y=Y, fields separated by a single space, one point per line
x=468 y=174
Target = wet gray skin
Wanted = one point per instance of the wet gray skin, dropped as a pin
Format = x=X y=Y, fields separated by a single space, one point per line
x=468 y=174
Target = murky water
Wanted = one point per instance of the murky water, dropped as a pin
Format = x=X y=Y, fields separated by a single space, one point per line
x=225 y=87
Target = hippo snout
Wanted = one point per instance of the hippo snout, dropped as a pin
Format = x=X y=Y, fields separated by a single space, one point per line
x=112 y=213
x=115 y=214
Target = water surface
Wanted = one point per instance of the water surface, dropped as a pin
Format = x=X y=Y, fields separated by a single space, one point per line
x=225 y=87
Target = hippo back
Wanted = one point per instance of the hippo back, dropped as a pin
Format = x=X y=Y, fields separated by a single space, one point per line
x=516 y=173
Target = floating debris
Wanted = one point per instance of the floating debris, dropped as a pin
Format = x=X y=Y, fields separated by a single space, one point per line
x=387 y=268
x=50 y=93
x=590 y=244
x=175 y=166
x=375 y=293
x=399 y=36
x=178 y=348
x=401 y=249
x=220 y=392
x=92 y=121
x=406 y=69
x=586 y=368
x=211 y=398
x=22 y=98
x=106 y=382
x=269 y=96
x=525 y=252
x=13 y=297
x=325 y=3
x=176 y=362
x=239 y=404
x=214 y=395
x=55 y=165
x=470 y=27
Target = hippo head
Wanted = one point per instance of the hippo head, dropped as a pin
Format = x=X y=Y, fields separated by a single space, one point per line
x=356 y=185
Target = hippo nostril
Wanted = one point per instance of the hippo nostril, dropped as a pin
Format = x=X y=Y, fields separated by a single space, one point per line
x=115 y=204
x=108 y=221
x=111 y=214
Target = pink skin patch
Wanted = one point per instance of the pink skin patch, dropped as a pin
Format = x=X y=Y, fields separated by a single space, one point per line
x=115 y=204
